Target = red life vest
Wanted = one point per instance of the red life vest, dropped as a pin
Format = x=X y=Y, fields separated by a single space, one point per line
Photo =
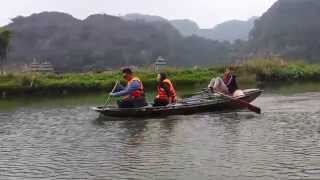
x=139 y=92
x=162 y=93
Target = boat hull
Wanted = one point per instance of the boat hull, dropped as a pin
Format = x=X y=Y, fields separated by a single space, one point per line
x=180 y=108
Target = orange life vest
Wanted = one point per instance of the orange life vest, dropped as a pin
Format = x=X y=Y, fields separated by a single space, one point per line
x=162 y=93
x=139 y=92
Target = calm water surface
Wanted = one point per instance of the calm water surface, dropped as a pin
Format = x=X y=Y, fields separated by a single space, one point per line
x=60 y=138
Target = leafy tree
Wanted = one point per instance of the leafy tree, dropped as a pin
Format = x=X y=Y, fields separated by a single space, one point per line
x=5 y=36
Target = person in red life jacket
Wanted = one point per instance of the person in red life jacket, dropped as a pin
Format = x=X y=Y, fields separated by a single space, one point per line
x=166 y=92
x=133 y=94
x=228 y=85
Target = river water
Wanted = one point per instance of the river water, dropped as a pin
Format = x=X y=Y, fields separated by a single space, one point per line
x=61 y=138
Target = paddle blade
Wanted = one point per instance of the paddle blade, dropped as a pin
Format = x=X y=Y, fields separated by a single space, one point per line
x=254 y=109
x=245 y=104
x=248 y=105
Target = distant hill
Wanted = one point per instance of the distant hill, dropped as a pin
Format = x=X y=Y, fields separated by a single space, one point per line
x=147 y=18
x=104 y=41
x=229 y=31
x=186 y=27
x=290 y=28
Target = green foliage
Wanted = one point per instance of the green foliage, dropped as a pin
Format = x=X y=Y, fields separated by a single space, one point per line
x=279 y=69
x=262 y=70
x=262 y=66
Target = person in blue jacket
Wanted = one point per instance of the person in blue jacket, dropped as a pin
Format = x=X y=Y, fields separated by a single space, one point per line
x=133 y=94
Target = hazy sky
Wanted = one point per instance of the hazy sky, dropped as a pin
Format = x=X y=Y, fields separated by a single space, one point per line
x=206 y=13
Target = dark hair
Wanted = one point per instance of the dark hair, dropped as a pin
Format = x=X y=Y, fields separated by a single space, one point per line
x=163 y=76
x=127 y=71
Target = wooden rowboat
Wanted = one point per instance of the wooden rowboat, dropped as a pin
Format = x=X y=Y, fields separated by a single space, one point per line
x=196 y=104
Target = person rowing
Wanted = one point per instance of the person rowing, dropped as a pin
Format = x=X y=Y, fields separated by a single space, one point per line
x=228 y=85
x=166 y=91
x=133 y=94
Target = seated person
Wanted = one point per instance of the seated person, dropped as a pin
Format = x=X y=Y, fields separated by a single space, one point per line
x=133 y=94
x=166 y=92
x=228 y=85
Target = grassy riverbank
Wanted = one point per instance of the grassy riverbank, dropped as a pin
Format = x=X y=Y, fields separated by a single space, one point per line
x=275 y=70
x=66 y=83
x=250 y=72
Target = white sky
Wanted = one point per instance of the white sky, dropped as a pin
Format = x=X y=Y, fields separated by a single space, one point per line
x=206 y=13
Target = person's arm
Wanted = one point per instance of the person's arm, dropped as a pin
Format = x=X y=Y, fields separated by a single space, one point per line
x=166 y=88
x=135 y=85
x=119 y=88
x=211 y=85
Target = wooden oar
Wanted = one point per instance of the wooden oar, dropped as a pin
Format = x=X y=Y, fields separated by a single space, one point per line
x=108 y=99
x=242 y=103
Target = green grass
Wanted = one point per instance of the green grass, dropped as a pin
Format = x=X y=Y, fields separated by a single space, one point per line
x=277 y=69
x=248 y=73
x=51 y=83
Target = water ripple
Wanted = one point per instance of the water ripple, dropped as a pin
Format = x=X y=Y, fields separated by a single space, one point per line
x=70 y=142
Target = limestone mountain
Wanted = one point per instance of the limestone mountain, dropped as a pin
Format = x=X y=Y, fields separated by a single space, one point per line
x=186 y=27
x=226 y=31
x=229 y=30
x=289 y=28
x=104 y=41
x=143 y=17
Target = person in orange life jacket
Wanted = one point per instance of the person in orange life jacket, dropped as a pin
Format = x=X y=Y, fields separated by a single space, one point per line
x=227 y=85
x=166 y=92
x=133 y=94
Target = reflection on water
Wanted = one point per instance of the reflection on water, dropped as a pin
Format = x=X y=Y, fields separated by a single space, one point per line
x=63 y=139
x=291 y=88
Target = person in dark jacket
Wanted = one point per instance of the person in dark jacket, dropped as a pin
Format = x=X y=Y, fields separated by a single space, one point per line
x=227 y=85
x=166 y=92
